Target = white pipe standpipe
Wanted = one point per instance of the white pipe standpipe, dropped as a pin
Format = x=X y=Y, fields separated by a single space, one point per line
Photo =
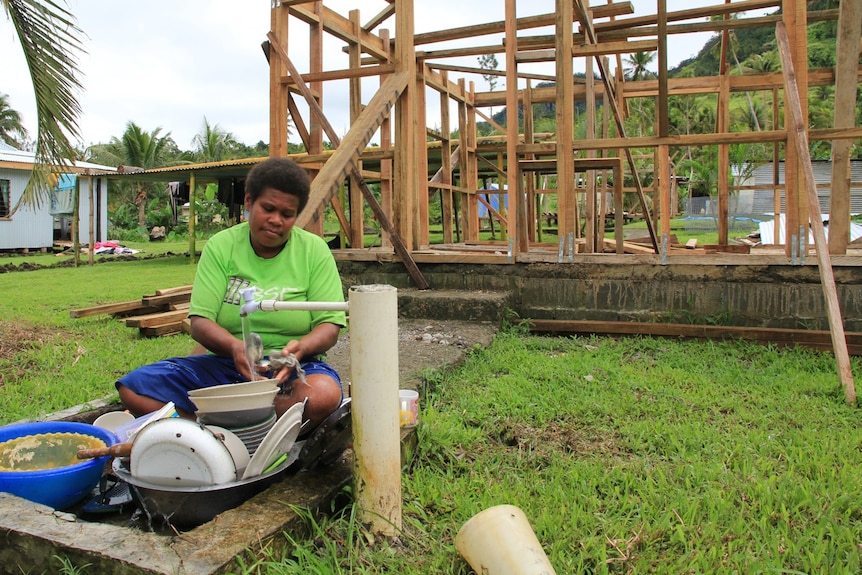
x=375 y=407
x=374 y=397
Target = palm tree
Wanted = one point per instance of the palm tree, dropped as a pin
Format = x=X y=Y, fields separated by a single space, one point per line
x=637 y=65
x=12 y=131
x=214 y=144
x=703 y=177
x=142 y=150
x=761 y=64
x=50 y=40
x=733 y=44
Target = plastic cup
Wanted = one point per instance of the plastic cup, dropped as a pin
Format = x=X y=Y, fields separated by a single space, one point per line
x=113 y=419
x=500 y=541
x=409 y=407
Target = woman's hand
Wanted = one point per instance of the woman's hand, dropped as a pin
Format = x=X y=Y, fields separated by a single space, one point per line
x=321 y=338
x=220 y=342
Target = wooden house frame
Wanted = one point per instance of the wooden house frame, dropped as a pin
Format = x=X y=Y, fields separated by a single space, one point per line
x=411 y=164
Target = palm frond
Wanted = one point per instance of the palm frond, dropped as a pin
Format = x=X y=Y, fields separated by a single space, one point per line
x=50 y=41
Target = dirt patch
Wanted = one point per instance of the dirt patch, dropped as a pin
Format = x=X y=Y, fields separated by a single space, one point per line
x=17 y=337
x=423 y=344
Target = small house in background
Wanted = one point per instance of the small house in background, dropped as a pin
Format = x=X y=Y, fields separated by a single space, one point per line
x=31 y=228
x=764 y=198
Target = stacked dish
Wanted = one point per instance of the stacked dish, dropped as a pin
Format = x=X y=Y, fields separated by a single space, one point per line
x=252 y=435
x=277 y=443
x=247 y=408
x=235 y=404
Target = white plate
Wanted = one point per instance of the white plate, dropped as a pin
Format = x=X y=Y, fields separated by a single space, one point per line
x=277 y=442
x=235 y=445
x=264 y=425
x=180 y=452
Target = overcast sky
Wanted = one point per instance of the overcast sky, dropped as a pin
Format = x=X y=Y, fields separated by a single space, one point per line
x=169 y=64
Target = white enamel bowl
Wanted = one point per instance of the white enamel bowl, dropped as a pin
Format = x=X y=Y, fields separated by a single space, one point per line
x=234 y=402
x=180 y=452
x=241 y=388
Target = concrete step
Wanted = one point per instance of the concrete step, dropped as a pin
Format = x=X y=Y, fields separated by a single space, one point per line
x=463 y=305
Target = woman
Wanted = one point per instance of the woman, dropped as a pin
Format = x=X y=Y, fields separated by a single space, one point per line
x=280 y=262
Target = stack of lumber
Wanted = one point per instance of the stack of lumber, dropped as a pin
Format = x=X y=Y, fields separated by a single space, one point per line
x=162 y=313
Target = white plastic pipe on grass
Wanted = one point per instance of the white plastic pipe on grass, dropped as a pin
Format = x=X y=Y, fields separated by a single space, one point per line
x=375 y=406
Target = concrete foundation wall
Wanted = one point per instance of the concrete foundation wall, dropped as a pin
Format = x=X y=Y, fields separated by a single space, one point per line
x=777 y=296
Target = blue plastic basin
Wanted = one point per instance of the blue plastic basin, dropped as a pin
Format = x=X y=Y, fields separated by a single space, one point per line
x=60 y=487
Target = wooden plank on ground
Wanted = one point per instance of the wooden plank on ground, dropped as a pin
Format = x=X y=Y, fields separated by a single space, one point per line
x=108 y=308
x=173 y=290
x=628 y=247
x=166 y=299
x=162 y=329
x=816 y=339
x=154 y=319
x=797 y=130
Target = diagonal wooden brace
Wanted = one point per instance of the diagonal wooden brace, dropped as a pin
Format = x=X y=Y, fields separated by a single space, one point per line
x=344 y=161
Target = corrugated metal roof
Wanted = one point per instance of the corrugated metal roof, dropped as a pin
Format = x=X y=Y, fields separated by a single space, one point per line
x=15 y=158
x=208 y=170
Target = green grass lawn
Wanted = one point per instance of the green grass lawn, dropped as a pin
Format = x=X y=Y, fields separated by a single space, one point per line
x=628 y=455
x=144 y=250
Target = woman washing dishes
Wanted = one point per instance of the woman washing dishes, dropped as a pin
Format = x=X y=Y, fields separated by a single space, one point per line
x=281 y=262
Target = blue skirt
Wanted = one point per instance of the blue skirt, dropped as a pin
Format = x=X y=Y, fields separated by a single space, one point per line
x=171 y=379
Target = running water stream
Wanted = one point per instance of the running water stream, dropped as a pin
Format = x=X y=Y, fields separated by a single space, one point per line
x=253 y=348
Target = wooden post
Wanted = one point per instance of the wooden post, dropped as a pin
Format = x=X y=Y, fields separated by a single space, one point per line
x=421 y=238
x=315 y=128
x=357 y=219
x=723 y=126
x=76 y=215
x=385 y=144
x=405 y=126
x=794 y=17
x=91 y=220
x=662 y=187
x=798 y=134
x=846 y=64
x=517 y=212
x=591 y=212
x=278 y=91
x=446 y=199
x=532 y=223
x=566 y=199
x=192 y=217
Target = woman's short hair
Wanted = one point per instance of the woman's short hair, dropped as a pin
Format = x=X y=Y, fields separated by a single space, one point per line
x=281 y=174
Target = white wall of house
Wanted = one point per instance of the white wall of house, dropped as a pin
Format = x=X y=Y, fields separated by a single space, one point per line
x=33 y=228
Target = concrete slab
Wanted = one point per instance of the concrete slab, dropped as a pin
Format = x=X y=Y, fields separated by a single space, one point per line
x=33 y=536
